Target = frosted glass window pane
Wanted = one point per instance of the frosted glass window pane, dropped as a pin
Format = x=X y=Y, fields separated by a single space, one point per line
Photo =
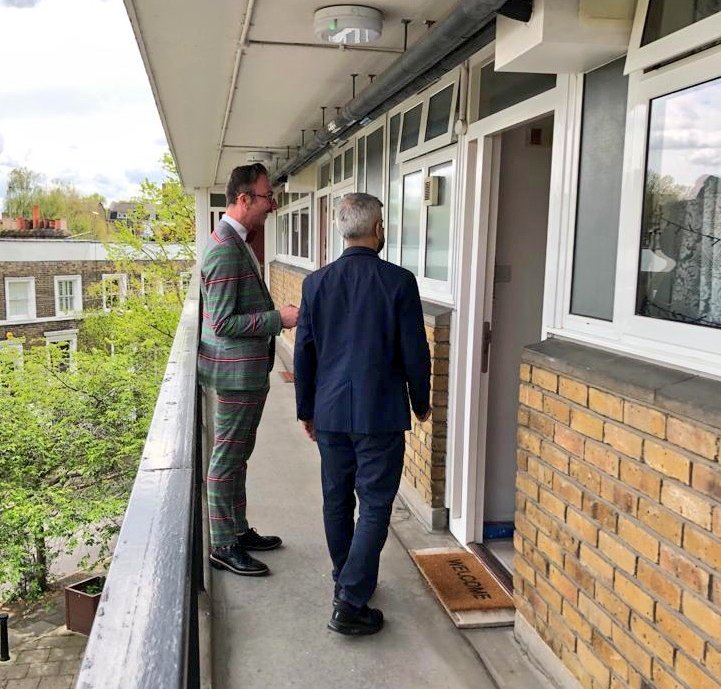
x=438 y=231
x=439 y=112
x=411 y=231
x=664 y=17
x=294 y=234
x=394 y=191
x=305 y=233
x=324 y=175
x=361 y=178
x=348 y=164
x=411 y=127
x=337 y=237
x=599 y=191
x=501 y=90
x=680 y=259
x=375 y=164
x=337 y=169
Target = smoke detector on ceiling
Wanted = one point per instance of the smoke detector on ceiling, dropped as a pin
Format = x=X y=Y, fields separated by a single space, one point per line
x=264 y=157
x=348 y=24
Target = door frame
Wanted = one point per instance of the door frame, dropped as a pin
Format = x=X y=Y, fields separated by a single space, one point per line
x=481 y=161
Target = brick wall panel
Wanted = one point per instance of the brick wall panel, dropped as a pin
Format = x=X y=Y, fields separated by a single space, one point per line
x=631 y=495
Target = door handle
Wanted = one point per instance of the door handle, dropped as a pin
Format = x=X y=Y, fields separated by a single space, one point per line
x=486 y=346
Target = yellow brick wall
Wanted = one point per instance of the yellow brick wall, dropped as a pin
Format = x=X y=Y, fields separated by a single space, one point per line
x=618 y=536
x=425 y=457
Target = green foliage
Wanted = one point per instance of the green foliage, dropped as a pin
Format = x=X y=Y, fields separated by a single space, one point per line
x=85 y=214
x=24 y=188
x=72 y=433
x=70 y=441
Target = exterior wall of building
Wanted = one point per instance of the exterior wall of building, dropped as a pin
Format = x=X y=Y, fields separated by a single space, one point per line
x=618 y=517
x=425 y=456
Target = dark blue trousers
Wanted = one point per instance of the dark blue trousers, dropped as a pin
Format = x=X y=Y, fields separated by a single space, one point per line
x=369 y=466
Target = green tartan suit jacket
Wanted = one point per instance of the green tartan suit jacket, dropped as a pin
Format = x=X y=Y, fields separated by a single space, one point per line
x=237 y=340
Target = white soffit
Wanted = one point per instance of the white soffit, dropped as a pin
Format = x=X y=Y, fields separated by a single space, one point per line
x=189 y=51
x=565 y=36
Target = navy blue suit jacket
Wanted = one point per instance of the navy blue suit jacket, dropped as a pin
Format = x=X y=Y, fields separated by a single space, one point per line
x=360 y=347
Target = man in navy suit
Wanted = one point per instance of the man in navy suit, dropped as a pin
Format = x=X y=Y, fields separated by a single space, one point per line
x=360 y=353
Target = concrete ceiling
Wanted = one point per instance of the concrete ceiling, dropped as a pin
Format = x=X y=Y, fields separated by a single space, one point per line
x=190 y=50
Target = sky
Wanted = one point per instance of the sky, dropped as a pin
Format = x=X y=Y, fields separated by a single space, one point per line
x=75 y=102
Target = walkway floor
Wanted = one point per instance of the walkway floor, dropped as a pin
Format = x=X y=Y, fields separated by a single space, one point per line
x=271 y=632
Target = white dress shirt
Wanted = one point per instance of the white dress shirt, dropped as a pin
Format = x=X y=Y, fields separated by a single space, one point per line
x=243 y=234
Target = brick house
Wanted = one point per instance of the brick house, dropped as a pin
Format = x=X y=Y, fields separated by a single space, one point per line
x=46 y=284
x=549 y=172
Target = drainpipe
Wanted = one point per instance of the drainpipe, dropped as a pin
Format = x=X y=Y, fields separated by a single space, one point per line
x=466 y=30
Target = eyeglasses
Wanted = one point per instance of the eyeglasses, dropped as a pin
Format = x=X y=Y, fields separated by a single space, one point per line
x=268 y=197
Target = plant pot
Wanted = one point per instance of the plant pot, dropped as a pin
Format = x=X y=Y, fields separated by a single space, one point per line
x=81 y=602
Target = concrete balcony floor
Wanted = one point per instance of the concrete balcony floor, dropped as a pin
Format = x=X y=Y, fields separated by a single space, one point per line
x=271 y=633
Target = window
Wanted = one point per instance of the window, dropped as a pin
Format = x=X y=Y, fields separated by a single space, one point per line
x=338 y=169
x=426 y=222
x=62 y=344
x=324 y=176
x=394 y=191
x=20 y=299
x=370 y=163
x=293 y=237
x=411 y=127
x=68 y=295
x=115 y=289
x=599 y=191
x=427 y=119
x=664 y=30
x=679 y=274
x=500 y=90
x=667 y=303
x=439 y=110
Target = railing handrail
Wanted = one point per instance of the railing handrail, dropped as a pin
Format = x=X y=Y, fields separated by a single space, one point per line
x=140 y=634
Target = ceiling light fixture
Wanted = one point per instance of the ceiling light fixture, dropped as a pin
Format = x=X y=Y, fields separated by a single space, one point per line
x=348 y=24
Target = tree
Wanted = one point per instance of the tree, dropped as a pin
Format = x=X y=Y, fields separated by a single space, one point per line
x=24 y=188
x=71 y=436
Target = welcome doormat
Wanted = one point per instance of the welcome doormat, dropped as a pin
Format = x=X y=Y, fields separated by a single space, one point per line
x=467 y=590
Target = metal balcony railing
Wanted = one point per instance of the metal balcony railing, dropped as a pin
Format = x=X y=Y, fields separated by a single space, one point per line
x=146 y=631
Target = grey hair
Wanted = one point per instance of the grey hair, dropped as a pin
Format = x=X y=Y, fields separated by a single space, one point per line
x=357 y=215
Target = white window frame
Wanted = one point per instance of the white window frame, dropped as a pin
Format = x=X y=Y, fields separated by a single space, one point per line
x=681 y=345
x=305 y=203
x=341 y=151
x=678 y=43
x=58 y=336
x=434 y=290
x=364 y=134
x=77 y=294
x=123 y=284
x=55 y=336
x=31 y=315
x=423 y=98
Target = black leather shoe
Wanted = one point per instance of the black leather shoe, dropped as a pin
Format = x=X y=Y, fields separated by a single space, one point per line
x=252 y=540
x=354 y=621
x=236 y=560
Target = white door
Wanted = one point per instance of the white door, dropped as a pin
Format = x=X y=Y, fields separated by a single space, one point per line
x=481 y=478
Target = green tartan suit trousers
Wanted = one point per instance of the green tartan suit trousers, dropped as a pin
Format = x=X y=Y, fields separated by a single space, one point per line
x=237 y=417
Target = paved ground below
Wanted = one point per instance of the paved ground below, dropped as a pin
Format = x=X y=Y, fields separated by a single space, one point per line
x=43 y=654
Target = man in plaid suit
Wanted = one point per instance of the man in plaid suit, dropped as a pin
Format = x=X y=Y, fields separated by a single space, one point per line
x=235 y=356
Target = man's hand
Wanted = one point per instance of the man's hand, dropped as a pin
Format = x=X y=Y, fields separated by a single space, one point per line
x=289 y=316
x=425 y=416
x=309 y=429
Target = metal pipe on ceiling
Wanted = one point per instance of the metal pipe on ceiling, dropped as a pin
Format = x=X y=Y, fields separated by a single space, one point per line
x=469 y=27
x=326 y=46
x=242 y=43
